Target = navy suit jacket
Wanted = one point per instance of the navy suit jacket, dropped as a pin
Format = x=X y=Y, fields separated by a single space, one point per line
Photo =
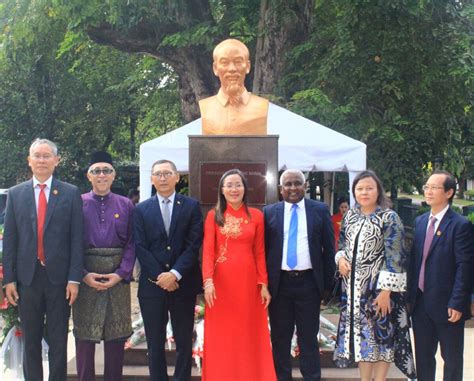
x=62 y=235
x=447 y=267
x=157 y=252
x=320 y=241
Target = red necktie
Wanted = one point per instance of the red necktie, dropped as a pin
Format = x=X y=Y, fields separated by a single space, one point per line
x=426 y=249
x=42 y=206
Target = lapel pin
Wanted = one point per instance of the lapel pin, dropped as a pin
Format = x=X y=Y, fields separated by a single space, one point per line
x=438 y=233
x=178 y=202
x=55 y=192
x=116 y=215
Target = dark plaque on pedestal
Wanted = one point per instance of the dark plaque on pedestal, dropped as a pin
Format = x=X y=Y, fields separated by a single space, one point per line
x=212 y=155
x=255 y=173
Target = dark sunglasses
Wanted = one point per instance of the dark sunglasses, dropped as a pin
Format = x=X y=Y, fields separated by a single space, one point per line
x=98 y=171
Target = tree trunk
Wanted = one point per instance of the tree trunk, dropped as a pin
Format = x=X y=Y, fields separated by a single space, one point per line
x=461 y=182
x=193 y=65
x=133 y=127
x=283 y=24
x=196 y=80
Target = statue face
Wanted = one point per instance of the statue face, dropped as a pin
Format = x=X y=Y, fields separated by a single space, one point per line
x=231 y=64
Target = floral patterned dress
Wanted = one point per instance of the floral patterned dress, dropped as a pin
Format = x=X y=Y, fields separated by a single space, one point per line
x=373 y=244
x=236 y=334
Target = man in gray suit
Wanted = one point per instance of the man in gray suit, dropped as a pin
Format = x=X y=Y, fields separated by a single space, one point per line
x=42 y=259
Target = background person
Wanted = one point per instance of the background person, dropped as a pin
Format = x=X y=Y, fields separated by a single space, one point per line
x=440 y=280
x=168 y=236
x=42 y=259
x=134 y=196
x=299 y=243
x=343 y=207
x=373 y=326
x=236 y=335
x=102 y=310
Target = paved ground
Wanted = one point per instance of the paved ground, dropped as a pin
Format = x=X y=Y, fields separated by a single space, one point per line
x=468 y=350
x=468 y=356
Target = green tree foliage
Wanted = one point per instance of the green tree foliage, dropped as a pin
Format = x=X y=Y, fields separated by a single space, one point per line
x=397 y=75
x=85 y=97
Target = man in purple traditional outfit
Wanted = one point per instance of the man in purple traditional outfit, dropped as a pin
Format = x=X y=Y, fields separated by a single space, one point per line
x=102 y=312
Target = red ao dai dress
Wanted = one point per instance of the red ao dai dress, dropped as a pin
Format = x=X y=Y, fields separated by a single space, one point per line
x=236 y=333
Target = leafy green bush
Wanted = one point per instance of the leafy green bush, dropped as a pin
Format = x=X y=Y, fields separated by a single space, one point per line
x=470 y=217
x=469 y=194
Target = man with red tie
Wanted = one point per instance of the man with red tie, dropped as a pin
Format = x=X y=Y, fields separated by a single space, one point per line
x=43 y=259
x=439 y=281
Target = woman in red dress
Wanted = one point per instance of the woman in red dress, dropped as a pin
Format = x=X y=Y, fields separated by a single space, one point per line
x=236 y=334
x=343 y=205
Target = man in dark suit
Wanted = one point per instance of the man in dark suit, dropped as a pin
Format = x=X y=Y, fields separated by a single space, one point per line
x=43 y=259
x=299 y=244
x=439 y=281
x=168 y=235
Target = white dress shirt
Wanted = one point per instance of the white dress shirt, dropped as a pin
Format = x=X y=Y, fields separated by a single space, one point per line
x=47 y=191
x=171 y=203
x=37 y=189
x=302 y=246
x=439 y=216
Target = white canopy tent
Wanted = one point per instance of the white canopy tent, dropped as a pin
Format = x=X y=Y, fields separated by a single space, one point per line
x=303 y=144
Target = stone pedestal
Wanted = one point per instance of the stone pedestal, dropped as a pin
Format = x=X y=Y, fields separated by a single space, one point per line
x=211 y=156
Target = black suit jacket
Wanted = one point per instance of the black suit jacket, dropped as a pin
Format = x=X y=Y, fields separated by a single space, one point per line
x=158 y=252
x=63 y=235
x=447 y=268
x=320 y=240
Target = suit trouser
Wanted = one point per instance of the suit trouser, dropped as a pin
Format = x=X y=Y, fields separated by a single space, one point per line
x=428 y=334
x=155 y=318
x=36 y=301
x=297 y=302
x=113 y=360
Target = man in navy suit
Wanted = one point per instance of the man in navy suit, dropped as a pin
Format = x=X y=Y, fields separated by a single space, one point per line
x=168 y=235
x=43 y=271
x=439 y=281
x=299 y=244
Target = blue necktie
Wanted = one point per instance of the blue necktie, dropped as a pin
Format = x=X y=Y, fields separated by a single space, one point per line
x=291 y=259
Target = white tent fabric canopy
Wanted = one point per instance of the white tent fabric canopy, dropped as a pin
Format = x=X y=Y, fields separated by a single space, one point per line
x=303 y=144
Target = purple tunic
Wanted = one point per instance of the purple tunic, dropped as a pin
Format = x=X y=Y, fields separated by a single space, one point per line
x=108 y=222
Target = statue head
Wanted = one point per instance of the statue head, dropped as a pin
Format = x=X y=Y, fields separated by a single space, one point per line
x=231 y=65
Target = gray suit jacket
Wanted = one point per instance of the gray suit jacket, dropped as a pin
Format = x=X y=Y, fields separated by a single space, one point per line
x=63 y=236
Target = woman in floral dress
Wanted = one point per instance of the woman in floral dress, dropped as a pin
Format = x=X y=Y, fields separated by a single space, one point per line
x=373 y=327
x=236 y=334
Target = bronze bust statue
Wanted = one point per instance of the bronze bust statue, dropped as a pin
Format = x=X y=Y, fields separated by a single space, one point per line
x=234 y=110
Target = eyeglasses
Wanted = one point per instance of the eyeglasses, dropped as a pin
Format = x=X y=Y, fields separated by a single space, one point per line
x=98 y=171
x=166 y=174
x=432 y=187
x=230 y=186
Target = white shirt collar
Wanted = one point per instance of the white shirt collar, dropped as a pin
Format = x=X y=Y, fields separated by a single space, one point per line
x=48 y=182
x=300 y=204
x=161 y=198
x=439 y=216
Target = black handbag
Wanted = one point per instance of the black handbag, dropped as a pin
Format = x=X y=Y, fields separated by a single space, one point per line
x=335 y=297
